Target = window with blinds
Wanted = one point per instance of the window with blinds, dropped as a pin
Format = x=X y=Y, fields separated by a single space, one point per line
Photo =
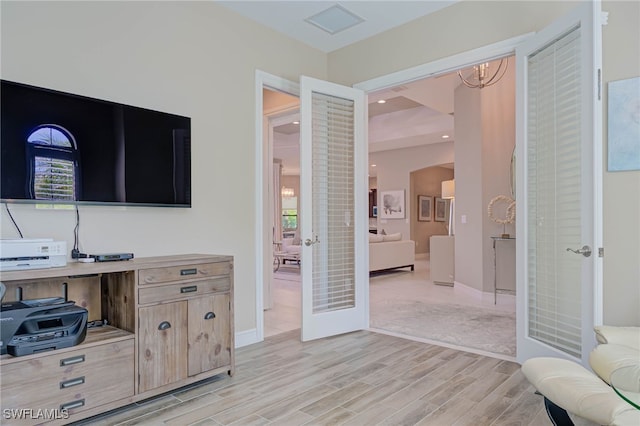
x=54 y=179
x=333 y=281
x=554 y=194
x=52 y=155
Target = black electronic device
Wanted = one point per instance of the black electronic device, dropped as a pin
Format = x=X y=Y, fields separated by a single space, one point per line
x=38 y=325
x=111 y=257
x=100 y=152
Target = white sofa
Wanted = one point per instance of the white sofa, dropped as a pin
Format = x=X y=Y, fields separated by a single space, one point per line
x=293 y=248
x=390 y=252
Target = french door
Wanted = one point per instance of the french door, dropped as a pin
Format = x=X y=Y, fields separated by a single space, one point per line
x=333 y=209
x=559 y=171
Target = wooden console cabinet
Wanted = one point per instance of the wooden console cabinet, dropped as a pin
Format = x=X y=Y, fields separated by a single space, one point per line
x=170 y=323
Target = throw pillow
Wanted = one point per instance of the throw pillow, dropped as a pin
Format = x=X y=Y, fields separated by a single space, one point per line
x=392 y=237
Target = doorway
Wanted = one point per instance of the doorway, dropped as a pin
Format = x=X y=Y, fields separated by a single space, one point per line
x=282 y=310
x=452 y=132
x=397 y=79
x=282 y=128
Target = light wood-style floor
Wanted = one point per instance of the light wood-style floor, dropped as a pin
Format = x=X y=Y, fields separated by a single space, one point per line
x=361 y=378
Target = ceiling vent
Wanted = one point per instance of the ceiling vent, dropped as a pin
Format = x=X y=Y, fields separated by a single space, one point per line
x=335 y=19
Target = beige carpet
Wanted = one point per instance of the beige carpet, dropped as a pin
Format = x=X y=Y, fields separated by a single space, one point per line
x=468 y=326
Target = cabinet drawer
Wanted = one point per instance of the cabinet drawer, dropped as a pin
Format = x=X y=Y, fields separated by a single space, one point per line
x=79 y=379
x=185 y=272
x=178 y=291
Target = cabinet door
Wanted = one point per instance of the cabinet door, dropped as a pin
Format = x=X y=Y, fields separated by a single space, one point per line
x=209 y=333
x=162 y=344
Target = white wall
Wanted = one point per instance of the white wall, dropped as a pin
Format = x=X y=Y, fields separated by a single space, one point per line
x=393 y=168
x=471 y=24
x=485 y=138
x=427 y=181
x=190 y=58
x=621 y=60
x=468 y=202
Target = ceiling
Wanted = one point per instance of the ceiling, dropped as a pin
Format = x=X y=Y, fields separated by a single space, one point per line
x=369 y=18
x=416 y=113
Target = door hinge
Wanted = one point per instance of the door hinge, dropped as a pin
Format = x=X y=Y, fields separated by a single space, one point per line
x=600 y=251
x=599 y=84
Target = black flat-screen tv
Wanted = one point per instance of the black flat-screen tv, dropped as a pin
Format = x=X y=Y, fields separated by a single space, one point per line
x=62 y=148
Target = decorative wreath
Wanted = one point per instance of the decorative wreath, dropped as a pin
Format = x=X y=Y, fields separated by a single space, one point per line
x=510 y=214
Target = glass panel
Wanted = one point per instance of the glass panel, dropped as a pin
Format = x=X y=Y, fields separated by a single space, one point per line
x=49 y=136
x=333 y=203
x=554 y=194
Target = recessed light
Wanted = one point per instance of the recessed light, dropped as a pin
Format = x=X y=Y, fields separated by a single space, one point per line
x=373 y=165
x=297 y=122
x=445 y=136
x=382 y=101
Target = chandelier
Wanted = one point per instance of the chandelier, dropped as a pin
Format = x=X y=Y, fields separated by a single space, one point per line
x=482 y=76
x=287 y=192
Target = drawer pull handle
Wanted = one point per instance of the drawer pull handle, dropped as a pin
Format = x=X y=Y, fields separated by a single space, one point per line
x=71 y=361
x=190 y=271
x=71 y=405
x=72 y=382
x=164 y=325
x=209 y=315
x=189 y=289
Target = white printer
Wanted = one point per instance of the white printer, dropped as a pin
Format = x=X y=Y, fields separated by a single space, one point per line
x=32 y=254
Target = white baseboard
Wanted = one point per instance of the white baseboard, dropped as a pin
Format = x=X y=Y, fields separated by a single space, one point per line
x=246 y=338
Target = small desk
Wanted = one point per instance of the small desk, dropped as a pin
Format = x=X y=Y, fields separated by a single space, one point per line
x=626 y=382
x=497 y=289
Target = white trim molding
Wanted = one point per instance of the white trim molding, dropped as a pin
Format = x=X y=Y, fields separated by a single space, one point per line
x=262 y=176
x=445 y=65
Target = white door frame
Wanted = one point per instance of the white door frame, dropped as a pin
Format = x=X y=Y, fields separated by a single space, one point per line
x=445 y=65
x=263 y=79
x=263 y=178
x=431 y=69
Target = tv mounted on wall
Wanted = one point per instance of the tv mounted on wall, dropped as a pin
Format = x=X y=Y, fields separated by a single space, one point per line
x=62 y=148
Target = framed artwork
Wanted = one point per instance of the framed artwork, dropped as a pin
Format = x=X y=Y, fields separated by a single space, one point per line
x=442 y=210
x=375 y=211
x=392 y=205
x=425 y=208
x=624 y=125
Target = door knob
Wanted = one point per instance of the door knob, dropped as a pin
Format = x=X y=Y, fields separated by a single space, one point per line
x=585 y=251
x=308 y=241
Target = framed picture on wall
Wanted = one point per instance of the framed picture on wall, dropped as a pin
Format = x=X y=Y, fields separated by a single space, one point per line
x=425 y=203
x=442 y=209
x=392 y=205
